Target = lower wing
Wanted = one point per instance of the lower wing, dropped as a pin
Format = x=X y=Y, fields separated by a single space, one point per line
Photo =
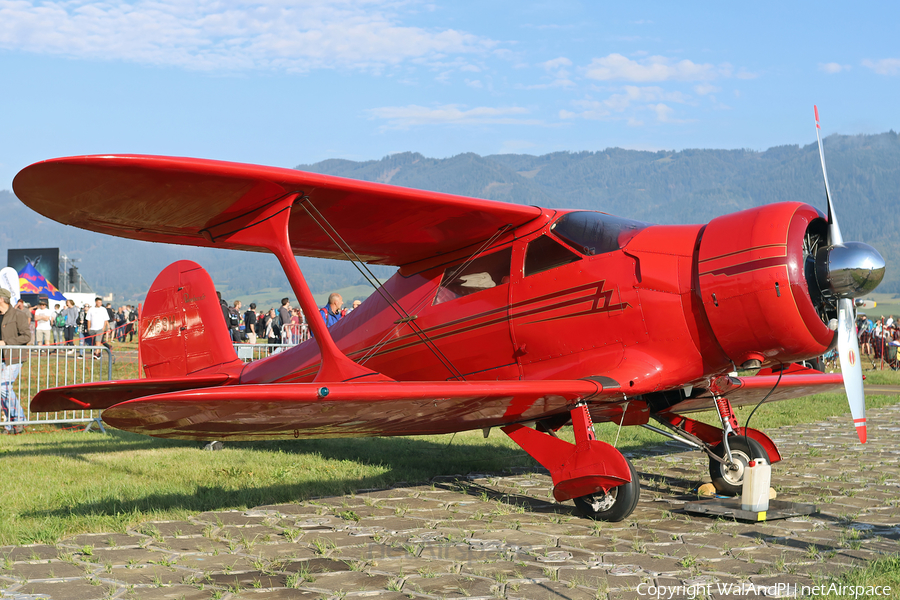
x=282 y=411
x=742 y=391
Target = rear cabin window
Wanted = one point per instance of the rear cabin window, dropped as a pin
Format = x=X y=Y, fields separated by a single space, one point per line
x=545 y=253
x=595 y=233
x=483 y=273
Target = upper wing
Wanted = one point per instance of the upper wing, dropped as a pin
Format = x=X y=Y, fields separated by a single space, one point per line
x=278 y=411
x=173 y=200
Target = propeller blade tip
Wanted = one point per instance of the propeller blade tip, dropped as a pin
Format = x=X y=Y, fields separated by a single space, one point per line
x=861 y=430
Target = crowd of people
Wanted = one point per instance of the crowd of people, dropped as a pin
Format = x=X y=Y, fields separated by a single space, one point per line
x=67 y=325
x=284 y=325
x=879 y=340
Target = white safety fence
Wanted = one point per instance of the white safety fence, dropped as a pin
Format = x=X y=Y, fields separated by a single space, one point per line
x=26 y=370
x=251 y=352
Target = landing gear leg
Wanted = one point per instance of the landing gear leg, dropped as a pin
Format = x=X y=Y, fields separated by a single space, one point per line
x=729 y=449
x=600 y=480
x=728 y=460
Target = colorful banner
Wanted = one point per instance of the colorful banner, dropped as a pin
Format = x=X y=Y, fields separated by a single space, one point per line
x=44 y=260
x=32 y=282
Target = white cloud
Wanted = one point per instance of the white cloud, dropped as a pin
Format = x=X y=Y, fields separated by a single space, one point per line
x=475 y=83
x=557 y=71
x=664 y=113
x=404 y=117
x=556 y=63
x=703 y=89
x=833 y=67
x=630 y=99
x=654 y=68
x=291 y=35
x=885 y=66
x=560 y=82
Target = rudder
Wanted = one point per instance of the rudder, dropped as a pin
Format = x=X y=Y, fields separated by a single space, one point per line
x=182 y=329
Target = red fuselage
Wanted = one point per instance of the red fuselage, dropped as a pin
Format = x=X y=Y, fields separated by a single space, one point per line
x=651 y=306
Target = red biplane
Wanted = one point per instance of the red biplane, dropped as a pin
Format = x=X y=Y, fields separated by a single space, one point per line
x=500 y=315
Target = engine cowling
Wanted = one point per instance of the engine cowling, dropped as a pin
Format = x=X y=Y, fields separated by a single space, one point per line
x=758 y=287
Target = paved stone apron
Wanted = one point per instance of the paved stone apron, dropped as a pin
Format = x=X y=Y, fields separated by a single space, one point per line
x=486 y=536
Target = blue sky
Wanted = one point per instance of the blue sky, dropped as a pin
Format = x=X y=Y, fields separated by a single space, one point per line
x=284 y=83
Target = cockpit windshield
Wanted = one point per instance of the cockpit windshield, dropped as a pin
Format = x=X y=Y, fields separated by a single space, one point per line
x=593 y=233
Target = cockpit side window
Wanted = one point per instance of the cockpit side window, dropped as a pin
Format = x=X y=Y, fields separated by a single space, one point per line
x=483 y=273
x=595 y=233
x=545 y=253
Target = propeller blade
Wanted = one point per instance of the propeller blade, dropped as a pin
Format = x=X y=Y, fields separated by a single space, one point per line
x=834 y=230
x=851 y=365
x=848 y=344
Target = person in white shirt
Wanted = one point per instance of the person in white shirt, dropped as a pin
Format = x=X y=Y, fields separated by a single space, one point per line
x=98 y=324
x=43 y=332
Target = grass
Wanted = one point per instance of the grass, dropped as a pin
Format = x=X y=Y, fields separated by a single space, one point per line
x=881 y=572
x=59 y=483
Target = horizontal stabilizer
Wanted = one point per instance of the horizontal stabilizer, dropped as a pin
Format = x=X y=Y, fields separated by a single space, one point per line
x=282 y=411
x=103 y=394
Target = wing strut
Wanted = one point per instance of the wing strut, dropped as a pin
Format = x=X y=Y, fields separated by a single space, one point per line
x=319 y=219
x=267 y=227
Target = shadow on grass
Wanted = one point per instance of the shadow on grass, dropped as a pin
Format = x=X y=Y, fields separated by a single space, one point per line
x=93 y=443
x=404 y=461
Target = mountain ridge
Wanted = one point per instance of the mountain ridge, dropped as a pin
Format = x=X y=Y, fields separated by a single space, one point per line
x=687 y=186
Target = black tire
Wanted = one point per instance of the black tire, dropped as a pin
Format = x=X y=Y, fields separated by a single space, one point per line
x=727 y=482
x=614 y=506
x=817 y=363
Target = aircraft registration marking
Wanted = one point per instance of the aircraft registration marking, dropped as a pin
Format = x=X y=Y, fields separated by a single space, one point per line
x=161 y=324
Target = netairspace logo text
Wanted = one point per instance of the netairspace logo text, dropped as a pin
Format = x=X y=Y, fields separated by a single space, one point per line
x=778 y=590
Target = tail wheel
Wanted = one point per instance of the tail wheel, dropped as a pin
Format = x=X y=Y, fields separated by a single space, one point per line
x=614 y=505
x=729 y=482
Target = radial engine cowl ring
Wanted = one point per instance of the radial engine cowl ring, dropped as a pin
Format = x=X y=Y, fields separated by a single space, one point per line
x=848 y=270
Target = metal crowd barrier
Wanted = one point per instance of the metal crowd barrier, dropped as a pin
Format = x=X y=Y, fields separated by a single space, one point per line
x=251 y=352
x=26 y=370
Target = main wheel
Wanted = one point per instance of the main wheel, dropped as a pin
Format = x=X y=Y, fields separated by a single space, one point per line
x=743 y=449
x=615 y=505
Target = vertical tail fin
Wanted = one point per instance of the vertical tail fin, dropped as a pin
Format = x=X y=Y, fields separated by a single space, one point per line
x=183 y=330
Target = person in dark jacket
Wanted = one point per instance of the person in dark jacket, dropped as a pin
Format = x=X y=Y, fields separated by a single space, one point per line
x=15 y=330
